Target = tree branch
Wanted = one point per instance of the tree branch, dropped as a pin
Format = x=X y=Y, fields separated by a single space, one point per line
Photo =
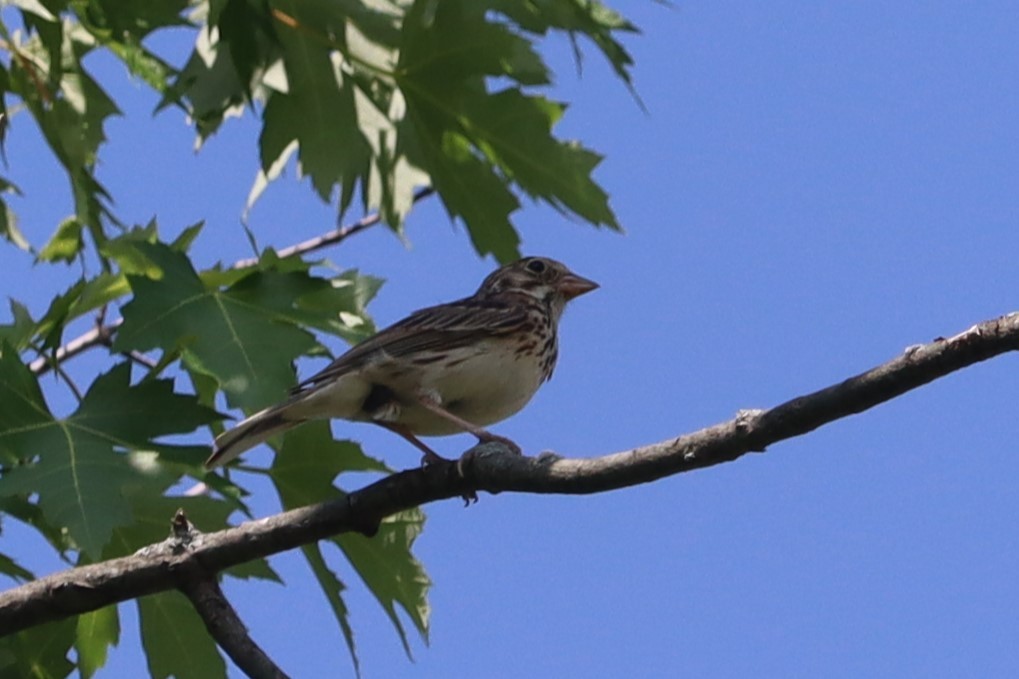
x=225 y=626
x=490 y=467
x=220 y=618
x=103 y=333
x=100 y=334
x=330 y=237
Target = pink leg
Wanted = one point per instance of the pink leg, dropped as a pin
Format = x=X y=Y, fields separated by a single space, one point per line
x=430 y=457
x=483 y=434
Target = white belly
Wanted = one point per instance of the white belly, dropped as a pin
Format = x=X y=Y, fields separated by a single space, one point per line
x=483 y=389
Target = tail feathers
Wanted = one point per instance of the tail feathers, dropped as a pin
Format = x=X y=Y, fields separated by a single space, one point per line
x=249 y=433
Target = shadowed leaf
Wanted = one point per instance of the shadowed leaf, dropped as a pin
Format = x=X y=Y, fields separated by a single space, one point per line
x=76 y=465
x=239 y=336
x=175 y=640
x=39 y=652
x=96 y=632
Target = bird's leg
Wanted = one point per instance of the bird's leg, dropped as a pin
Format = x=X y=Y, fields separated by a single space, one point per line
x=430 y=403
x=430 y=456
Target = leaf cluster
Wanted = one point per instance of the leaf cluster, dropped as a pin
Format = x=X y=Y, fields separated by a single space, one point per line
x=100 y=482
x=369 y=100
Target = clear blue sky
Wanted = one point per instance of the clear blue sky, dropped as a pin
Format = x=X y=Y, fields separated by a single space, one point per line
x=814 y=188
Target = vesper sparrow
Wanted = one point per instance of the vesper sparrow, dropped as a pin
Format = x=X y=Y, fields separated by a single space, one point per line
x=447 y=369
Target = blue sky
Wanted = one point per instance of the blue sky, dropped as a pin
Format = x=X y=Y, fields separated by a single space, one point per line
x=814 y=187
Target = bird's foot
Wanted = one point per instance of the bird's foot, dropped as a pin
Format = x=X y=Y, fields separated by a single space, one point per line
x=489 y=437
x=431 y=457
x=470 y=497
x=467 y=458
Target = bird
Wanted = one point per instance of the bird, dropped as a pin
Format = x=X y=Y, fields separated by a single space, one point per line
x=446 y=369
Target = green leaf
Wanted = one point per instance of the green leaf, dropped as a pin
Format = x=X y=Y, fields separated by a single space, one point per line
x=469 y=188
x=8 y=220
x=208 y=87
x=245 y=29
x=372 y=98
x=390 y=571
x=131 y=416
x=175 y=640
x=142 y=63
x=476 y=144
x=39 y=652
x=310 y=459
x=59 y=313
x=330 y=99
x=228 y=64
x=73 y=464
x=21 y=328
x=25 y=411
x=31 y=515
x=484 y=48
x=121 y=25
x=98 y=292
x=333 y=588
x=9 y=228
x=81 y=298
x=340 y=306
x=220 y=277
x=70 y=108
x=317 y=110
x=97 y=631
x=516 y=132
x=241 y=336
x=303 y=474
x=85 y=104
x=585 y=17
x=35 y=7
x=182 y=243
x=119 y=18
x=65 y=244
x=132 y=259
x=11 y=569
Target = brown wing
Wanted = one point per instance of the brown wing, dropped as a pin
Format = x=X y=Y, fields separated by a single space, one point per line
x=446 y=326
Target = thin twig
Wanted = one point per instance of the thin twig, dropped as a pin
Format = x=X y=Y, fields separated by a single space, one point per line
x=53 y=364
x=99 y=335
x=141 y=359
x=493 y=468
x=62 y=374
x=330 y=237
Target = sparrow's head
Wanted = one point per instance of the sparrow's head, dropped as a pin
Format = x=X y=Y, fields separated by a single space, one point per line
x=544 y=279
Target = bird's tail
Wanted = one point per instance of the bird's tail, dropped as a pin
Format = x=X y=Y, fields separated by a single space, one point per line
x=249 y=433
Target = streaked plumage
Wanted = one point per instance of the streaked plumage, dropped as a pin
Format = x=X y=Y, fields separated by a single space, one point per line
x=443 y=370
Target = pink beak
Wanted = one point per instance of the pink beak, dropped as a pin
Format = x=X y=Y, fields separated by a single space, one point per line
x=573 y=285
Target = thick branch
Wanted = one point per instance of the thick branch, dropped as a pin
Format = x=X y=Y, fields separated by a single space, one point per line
x=490 y=467
x=225 y=626
x=220 y=618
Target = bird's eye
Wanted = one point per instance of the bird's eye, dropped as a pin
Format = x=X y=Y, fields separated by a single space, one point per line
x=536 y=265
